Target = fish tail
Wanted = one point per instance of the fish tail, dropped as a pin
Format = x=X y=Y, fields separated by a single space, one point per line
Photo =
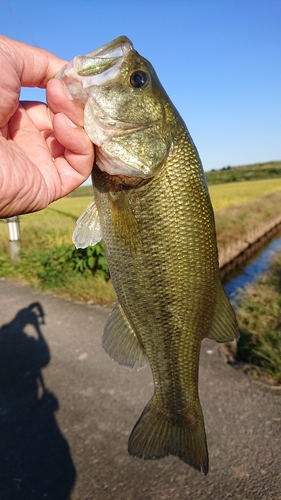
x=156 y=435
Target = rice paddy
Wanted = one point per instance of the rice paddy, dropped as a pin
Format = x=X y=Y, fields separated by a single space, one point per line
x=223 y=195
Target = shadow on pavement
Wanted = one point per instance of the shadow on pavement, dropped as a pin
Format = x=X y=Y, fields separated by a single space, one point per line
x=35 y=460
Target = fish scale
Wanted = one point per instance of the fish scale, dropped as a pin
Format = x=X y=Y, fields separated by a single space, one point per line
x=152 y=208
x=163 y=276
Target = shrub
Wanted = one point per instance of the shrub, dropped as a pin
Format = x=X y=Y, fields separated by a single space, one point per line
x=52 y=266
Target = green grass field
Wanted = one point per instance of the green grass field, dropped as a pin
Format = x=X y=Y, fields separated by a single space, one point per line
x=46 y=241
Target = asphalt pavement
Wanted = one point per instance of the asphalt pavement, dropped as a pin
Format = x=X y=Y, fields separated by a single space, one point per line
x=67 y=410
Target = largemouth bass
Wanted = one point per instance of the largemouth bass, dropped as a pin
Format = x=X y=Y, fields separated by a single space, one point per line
x=152 y=208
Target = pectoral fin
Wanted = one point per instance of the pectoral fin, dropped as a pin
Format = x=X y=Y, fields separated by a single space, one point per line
x=224 y=326
x=120 y=341
x=124 y=221
x=88 y=229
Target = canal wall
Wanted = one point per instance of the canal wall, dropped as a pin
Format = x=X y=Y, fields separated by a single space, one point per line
x=238 y=253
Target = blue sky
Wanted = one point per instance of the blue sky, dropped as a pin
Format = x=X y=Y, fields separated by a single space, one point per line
x=219 y=61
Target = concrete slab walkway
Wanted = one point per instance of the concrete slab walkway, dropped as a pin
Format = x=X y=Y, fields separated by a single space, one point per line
x=66 y=412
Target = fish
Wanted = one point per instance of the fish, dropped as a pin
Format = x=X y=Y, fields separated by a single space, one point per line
x=153 y=211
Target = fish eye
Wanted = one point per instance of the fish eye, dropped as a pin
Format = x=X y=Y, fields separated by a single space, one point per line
x=139 y=79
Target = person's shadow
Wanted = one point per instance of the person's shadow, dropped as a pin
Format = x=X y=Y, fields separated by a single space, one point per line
x=35 y=460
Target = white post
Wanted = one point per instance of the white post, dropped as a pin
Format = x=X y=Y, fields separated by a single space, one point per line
x=14 y=232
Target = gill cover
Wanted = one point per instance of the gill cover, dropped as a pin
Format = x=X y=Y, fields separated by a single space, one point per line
x=124 y=115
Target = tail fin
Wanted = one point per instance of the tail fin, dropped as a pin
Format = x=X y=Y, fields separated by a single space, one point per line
x=156 y=436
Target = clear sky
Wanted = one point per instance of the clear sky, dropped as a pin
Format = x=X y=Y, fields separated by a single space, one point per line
x=219 y=61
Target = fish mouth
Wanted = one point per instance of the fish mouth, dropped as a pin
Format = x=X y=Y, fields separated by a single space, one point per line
x=111 y=51
x=98 y=67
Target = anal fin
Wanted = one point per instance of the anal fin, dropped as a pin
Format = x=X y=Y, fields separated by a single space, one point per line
x=120 y=341
x=224 y=326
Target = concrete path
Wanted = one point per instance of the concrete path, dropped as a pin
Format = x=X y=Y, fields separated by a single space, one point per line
x=66 y=412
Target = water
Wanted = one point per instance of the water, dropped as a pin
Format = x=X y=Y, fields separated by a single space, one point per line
x=251 y=273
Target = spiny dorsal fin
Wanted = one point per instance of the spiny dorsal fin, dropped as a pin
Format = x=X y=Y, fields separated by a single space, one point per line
x=88 y=229
x=120 y=341
x=224 y=326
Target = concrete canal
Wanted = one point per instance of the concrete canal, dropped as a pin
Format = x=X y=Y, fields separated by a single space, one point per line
x=259 y=263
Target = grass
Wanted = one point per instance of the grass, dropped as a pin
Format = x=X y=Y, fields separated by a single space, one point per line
x=245 y=173
x=259 y=318
x=55 y=224
x=48 y=260
x=46 y=242
x=236 y=211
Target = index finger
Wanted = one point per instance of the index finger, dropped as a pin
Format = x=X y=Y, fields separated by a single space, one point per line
x=34 y=66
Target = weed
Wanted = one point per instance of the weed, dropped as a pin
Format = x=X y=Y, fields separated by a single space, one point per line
x=259 y=318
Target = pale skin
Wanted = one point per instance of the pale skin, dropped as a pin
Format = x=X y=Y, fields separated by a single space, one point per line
x=44 y=151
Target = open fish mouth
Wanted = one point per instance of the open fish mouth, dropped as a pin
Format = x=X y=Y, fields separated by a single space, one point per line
x=96 y=68
x=115 y=119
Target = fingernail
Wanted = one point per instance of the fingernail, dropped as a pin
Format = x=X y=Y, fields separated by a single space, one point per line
x=67 y=93
x=69 y=122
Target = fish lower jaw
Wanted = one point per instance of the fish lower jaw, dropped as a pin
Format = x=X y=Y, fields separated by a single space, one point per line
x=115 y=166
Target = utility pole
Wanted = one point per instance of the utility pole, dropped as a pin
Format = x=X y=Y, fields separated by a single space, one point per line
x=14 y=232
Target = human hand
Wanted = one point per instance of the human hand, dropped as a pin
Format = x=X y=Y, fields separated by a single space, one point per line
x=44 y=151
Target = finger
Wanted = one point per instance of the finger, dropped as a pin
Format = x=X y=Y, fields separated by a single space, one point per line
x=70 y=147
x=38 y=117
x=79 y=149
x=26 y=136
x=39 y=114
x=76 y=163
x=34 y=66
x=60 y=101
x=58 y=131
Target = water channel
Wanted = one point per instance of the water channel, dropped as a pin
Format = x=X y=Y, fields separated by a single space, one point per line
x=252 y=271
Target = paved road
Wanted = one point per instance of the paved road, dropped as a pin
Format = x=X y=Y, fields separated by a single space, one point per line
x=66 y=411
